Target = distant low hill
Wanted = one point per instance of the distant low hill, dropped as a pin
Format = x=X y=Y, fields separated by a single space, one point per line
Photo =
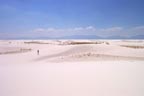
x=81 y=37
x=116 y=37
x=137 y=37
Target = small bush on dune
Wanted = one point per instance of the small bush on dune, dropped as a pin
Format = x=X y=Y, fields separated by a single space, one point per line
x=77 y=43
x=133 y=46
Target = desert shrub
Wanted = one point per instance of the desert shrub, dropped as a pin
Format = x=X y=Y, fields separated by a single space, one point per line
x=77 y=43
x=133 y=46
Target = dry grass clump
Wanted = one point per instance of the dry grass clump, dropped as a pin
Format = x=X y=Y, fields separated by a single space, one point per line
x=78 y=42
x=133 y=46
x=133 y=41
x=22 y=50
x=35 y=42
x=107 y=43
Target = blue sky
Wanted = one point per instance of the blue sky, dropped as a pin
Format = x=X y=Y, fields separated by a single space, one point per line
x=53 y=18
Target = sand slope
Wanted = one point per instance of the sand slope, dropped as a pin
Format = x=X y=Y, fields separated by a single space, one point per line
x=68 y=69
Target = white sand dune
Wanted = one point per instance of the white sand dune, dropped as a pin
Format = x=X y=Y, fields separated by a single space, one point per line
x=68 y=69
x=96 y=52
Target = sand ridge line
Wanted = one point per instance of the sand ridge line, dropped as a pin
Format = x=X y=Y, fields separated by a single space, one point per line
x=86 y=56
x=94 y=57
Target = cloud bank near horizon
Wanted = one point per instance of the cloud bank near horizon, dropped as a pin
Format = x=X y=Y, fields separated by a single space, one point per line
x=89 y=30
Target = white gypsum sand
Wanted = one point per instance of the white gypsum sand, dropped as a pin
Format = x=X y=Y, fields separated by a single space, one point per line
x=72 y=68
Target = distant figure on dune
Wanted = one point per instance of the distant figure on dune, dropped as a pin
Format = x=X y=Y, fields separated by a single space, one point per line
x=37 y=52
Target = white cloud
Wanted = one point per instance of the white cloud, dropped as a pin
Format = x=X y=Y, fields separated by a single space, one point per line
x=112 y=29
x=139 y=28
x=50 y=30
x=65 y=30
x=78 y=29
x=39 y=30
x=89 y=30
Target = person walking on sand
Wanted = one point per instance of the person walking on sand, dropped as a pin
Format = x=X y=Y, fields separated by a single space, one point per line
x=37 y=52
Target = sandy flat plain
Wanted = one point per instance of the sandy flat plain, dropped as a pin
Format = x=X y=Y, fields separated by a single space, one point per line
x=72 y=68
